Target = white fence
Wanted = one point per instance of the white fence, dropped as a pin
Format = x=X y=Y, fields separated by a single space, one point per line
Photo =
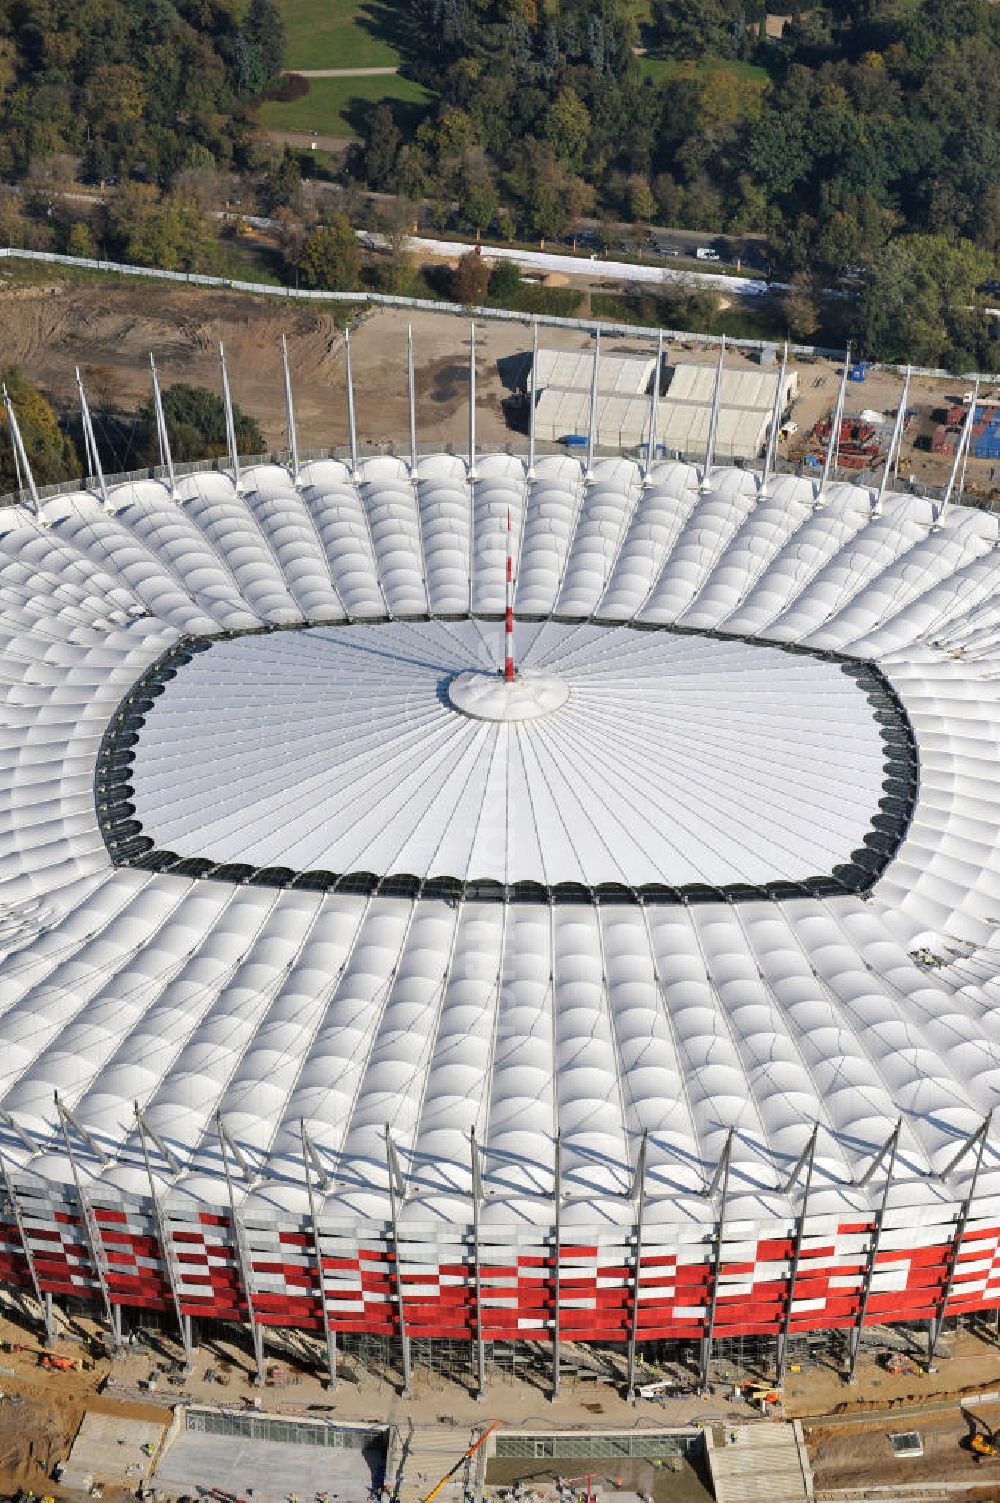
x=389 y=300
x=504 y=315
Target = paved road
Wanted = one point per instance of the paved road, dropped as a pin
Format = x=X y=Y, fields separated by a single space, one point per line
x=309 y=141
x=342 y=72
x=576 y=266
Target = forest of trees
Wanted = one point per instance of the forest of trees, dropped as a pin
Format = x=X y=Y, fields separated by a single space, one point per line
x=863 y=142
x=133 y=87
x=867 y=138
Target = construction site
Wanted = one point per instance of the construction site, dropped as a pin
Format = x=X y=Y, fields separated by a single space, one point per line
x=52 y=323
x=77 y=1421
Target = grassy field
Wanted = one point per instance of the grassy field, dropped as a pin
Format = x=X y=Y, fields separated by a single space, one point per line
x=336 y=106
x=661 y=68
x=342 y=33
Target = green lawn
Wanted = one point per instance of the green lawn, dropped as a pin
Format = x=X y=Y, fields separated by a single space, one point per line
x=342 y=33
x=662 y=68
x=336 y=106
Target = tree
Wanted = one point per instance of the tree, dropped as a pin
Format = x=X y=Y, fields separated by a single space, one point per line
x=261 y=57
x=470 y=279
x=380 y=148
x=282 y=183
x=51 y=455
x=79 y=240
x=147 y=230
x=915 y=303
x=292 y=236
x=567 y=127
x=331 y=258
x=505 y=282
x=801 y=308
x=114 y=95
x=690 y=28
x=641 y=203
x=196 y=424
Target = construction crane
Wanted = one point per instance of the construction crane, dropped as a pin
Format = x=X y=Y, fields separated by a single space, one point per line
x=461 y=1460
x=588 y=1495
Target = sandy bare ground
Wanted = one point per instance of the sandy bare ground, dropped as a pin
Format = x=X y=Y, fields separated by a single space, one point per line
x=109 y=329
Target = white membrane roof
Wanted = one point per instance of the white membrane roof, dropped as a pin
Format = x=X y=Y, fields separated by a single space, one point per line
x=673 y=759
x=602 y=1018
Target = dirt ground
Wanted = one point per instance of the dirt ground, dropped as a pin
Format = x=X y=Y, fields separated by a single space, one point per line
x=109 y=329
x=48 y=326
x=854 y=1456
x=846 y=1426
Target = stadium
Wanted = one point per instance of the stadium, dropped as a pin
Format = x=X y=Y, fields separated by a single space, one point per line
x=491 y=899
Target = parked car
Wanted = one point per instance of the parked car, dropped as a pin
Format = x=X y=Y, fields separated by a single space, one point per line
x=706 y=253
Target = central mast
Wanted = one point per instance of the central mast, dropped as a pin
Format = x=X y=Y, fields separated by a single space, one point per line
x=508 y=629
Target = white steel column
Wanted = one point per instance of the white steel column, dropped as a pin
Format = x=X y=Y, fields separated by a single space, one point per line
x=532 y=401
x=166 y=459
x=887 y=1152
x=654 y=407
x=472 y=403
x=89 y=439
x=805 y=1162
x=936 y=1322
x=227 y=402
x=44 y=1299
x=352 y=427
x=411 y=388
x=959 y=462
x=91 y=1232
x=772 y=436
x=557 y=1273
x=477 y=1196
x=26 y=479
x=293 y=446
x=713 y=422
x=166 y=1249
x=639 y=1194
x=719 y=1179
x=594 y=389
x=309 y=1152
x=396 y=1183
x=242 y=1256
x=833 y=447
x=895 y=444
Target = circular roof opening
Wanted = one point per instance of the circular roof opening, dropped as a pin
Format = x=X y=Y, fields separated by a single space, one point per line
x=635 y=758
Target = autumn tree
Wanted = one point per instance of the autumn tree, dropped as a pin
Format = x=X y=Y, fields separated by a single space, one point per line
x=50 y=453
x=330 y=257
x=801 y=306
x=470 y=279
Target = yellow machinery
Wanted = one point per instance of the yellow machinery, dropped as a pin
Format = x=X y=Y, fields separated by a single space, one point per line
x=464 y=1457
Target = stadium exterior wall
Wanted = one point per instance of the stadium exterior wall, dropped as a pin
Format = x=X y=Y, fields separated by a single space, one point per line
x=831 y=1272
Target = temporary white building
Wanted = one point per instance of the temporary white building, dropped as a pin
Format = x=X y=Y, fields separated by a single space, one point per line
x=746 y=404
x=341 y=988
x=619 y=373
x=623 y=408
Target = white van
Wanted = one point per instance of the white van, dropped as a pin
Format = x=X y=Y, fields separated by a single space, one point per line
x=705 y=253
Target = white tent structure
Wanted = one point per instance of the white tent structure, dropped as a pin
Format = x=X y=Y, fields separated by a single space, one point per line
x=747 y=400
x=659 y=1002
x=684 y=417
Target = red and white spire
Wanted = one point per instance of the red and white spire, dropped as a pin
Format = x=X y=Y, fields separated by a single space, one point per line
x=508 y=630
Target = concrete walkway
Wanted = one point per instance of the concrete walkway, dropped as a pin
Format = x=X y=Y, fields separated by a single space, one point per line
x=341 y=72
